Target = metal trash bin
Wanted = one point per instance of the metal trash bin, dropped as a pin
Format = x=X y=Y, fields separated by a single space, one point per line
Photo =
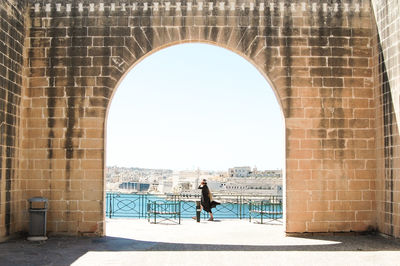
x=38 y=218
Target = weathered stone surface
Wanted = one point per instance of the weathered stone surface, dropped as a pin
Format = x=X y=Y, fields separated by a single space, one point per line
x=12 y=36
x=387 y=91
x=321 y=59
x=302 y=58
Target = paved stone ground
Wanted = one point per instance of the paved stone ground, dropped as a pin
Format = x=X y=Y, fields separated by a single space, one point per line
x=225 y=242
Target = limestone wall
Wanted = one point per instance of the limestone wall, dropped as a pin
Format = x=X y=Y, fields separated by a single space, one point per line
x=317 y=55
x=387 y=82
x=12 y=32
x=337 y=85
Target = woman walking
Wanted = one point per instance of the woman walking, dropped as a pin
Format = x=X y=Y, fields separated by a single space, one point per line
x=206 y=199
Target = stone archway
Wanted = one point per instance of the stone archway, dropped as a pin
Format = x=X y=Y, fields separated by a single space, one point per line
x=130 y=81
x=317 y=56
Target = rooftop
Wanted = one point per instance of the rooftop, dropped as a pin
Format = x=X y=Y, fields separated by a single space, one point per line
x=222 y=242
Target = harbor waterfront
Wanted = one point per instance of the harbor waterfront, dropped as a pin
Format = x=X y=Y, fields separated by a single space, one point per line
x=120 y=205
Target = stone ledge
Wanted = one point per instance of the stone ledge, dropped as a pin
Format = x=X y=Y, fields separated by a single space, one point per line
x=155 y=7
x=344 y=233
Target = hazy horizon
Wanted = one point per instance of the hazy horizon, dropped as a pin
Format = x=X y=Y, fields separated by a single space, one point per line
x=212 y=170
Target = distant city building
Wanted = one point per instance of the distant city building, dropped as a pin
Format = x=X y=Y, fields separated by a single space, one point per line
x=183 y=186
x=246 y=171
x=237 y=180
x=135 y=186
x=165 y=186
x=267 y=173
x=253 y=185
x=243 y=180
x=239 y=171
x=115 y=176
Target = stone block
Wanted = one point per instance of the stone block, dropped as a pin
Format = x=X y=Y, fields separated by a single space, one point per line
x=120 y=31
x=319 y=41
x=338 y=41
x=38 y=82
x=92 y=216
x=333 y=82
x=337 y=61
x=321 y=72
x=98 y=31
x=336 y=51
x=77 y=51
x=90 y=205
x=73 y=31
x=296 y=227
x=88 y=228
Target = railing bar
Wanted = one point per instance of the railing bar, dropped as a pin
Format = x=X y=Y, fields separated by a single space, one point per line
x=123 y=205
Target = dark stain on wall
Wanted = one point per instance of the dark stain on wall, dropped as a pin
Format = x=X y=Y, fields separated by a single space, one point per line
x=269 y=37
x=332 y=115
x=51 y=94
x=212 y=24
x=12 y=32
x=287 y=56
x=248 y=42
x=75 y=29
x=388 y=121
x=183 y=27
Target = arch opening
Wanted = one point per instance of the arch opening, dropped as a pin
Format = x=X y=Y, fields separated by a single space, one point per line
x=188 y=106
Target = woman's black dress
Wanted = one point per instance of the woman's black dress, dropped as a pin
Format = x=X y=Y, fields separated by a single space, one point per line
x=205 y=198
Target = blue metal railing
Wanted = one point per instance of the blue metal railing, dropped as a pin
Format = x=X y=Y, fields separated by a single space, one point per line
x=134 y=205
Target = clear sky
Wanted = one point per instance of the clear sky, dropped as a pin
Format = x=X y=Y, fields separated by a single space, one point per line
x=195 y=105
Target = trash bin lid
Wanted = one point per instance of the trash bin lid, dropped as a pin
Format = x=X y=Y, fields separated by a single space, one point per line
x=38 y=199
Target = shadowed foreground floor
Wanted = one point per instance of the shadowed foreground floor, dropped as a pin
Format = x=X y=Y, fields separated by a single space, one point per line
x=224 y=242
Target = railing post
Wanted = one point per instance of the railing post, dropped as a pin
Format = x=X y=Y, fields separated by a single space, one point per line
x=250 y=211
x=110 y=208
x=141 y=203
x=179 y=210
x=155 y=212
x=141 y=200
x=241 y=207
x=273 y=208
x=236 y=202
x=198 y=211
x=262 y=212
x=148 y=211
x=145 y=198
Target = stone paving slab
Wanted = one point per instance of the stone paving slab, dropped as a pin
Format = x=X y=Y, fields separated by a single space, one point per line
x=225 y=242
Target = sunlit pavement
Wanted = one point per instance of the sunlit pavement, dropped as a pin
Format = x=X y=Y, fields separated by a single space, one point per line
x=222 y=242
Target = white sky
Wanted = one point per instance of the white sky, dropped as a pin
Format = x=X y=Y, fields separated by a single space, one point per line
x=195 y=105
